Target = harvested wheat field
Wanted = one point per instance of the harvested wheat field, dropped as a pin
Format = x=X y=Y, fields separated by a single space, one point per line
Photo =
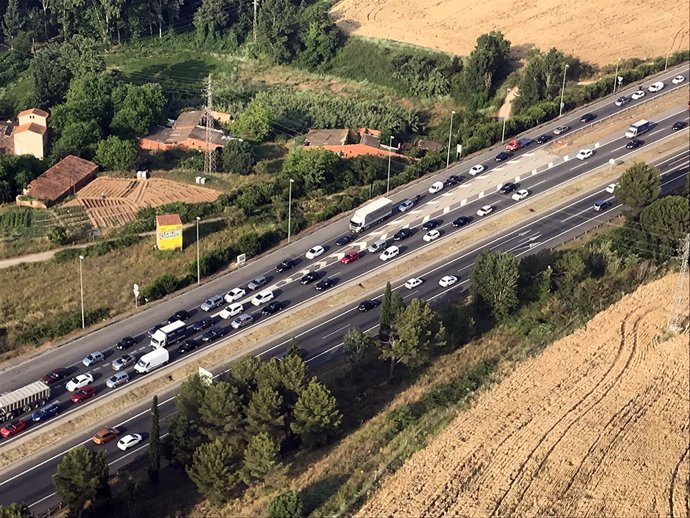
x=110 y=202
x=597 y=425
x=595 y=31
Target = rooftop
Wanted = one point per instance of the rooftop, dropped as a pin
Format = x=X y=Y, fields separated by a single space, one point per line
x=326 y=137
x=168 y=219
x=31 y=127
x=59 y=179
x=33 y=111
x=353 y=150
x=6 y=139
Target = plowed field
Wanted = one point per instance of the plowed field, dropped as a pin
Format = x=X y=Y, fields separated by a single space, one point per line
x=597 y=425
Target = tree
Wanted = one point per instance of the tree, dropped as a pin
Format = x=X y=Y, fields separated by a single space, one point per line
x=78 y=138
x=116 y=154
x=214 y=471
x=15 y=511
x=486 y=66
x=220 y=412
x=58 y=235
x=50 y=76
x=639 y=186
x=665 y=222
x=319 y=39
x=210 y=19
x=286 y=505
x=154 y=443
x=182 y=441
x=82 y=476
x=264 y=413
x=355 y=345
x=238 y=157
x=12 y=22
x=277 y=30
x=254 y=122
x=495 y=280
x=316 y=415
x=131 y=495
x=387 y=315
x=137 y=108
x=311 y=167
x=188 y=400
x=540 y=79
x=260 y=458
x=569 y=270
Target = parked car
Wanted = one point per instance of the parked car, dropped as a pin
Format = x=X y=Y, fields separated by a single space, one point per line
x=105 y=435
x=343 y=240
x=584 y=154
x=476 y=169
x=638 y=95
x=401 y=234
x=678 y=80
x=436 y=187
x=315 y=252
x=46 y=412
x=634 y=143
x=212 y=334
x=262 y=297
x=129 y=441
x=82 y=394
x=271 y=308
x=601 y=205
x=503 y=155
x=123 y=362
x=520 y=194
x=587 y=117
x=212 y=302
x=350 y=257
x=54 y=376
x=543 y=139
x=431 y=224
x=256 y=283
x=234 y=294
x=13 y=428
x=413 y=283
x=202 y=324
x=679 y=125
x=622 y=100
x=188 y=346
x=389 y=253
x=324 y=284
x=447 y=280
x=507 y=188
x=309 y=277
x=561 y=129
x=655 y=87
x=432 y=235
x=117 y=379
x=405 y=205
x=368 y=305
x=182 y=314
x=79 y=381
x=93 y=358
x=233 y=309
x=485 y=210
x=241 y=321
x=461 y=221
x=284 y=266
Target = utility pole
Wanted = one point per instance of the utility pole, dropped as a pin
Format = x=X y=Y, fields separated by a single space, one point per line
x=290 y=208
x=209 y=154
x=450 y=134
x=256 y=8
x=390 y=147
x=81 y=290
x=565 y=70
x=679 y=307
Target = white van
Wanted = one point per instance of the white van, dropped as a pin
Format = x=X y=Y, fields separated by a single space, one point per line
x=389 y=253
x=152 y=360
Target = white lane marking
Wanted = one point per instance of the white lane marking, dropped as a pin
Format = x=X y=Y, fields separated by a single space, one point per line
x=582 y=164
x=334 y=332
x=447 y=194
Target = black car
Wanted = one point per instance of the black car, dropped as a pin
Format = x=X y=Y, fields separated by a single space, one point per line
x=128 y=341
x=543 y=139
x=587 y=117
x=503 y=155
x=54 y=376
x=401 y=234
x=507 y=188
x=309 y=278
x=343 y=240
x=284 y=266
x=431 y=224
x=212 y=334
x=454 y=180
x=368 y=304
x=678 y=125
x=634 y=143
x=272 y=307
x=188 y=345
x=202 y=324
x=461 y=221
x=324 y=284
x=182 y=314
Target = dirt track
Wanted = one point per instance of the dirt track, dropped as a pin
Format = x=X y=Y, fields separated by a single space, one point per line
x=597 y=425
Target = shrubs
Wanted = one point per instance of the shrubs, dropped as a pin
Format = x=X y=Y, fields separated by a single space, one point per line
x=96 y=250
x=60 y=325
x=164 y=285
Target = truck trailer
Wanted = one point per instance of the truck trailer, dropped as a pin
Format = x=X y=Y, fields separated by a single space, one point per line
x=169 y=334
x=24 y=399
x=152 y=360
x=637 y=129
x=372 y=213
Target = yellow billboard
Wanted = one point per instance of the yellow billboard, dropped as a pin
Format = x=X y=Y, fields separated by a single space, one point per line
x=169 y=232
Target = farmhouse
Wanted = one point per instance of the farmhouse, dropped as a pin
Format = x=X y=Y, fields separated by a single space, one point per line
x=67 y=176
x=30 y=135
x=336 y=140
x=187 y=132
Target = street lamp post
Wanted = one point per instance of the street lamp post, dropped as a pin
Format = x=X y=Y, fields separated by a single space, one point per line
x=390 y=146
x=198 y=264
x=450 y=133
x=81 y=290
x=289 y=208
x=565 y=70
x=615 y=77
x=503 y=134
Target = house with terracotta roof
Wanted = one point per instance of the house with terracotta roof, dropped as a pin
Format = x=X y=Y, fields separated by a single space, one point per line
x=29 y=137
x=336 y=140
x=326 y=137
x=66 y=177
x=187 y=132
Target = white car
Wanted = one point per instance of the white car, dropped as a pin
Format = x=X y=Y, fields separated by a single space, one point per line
x=436 y=187
x=241 y=321
x=432 y=235
x=389 y=253
x=234 y=294
x=314 y=252
x=447 y=280
x=129 y=441
x=655 y=87
x=485 y=210
x=413 y=283
x=476 y=169
x=638 y=95
x=92 y=358
x=262 y=297
x=405 y=205
x=233 y=309
x=678 y=80
x=611 y=188
x=79 y=381
x=583 y=154
x=520 y=194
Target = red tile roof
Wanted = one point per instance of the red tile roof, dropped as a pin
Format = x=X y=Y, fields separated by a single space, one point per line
x=32 y=127
x=33 y=111
x=168 y=219
x=59 y=179
x=353 y=150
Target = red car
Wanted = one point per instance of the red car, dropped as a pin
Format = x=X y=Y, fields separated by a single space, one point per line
x=350 y=257
x=54 y=376
x=83 y=394
x=13 y=428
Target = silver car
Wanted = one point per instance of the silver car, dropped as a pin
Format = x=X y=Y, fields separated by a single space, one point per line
x=212 y=303
x=257 y=282
x=123 y=361
x=242 y=320
x=117 y=379
x=92 y=358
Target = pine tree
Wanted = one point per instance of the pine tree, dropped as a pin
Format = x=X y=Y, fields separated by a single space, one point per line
x=386 y=318
x=188 y=400
x=286 y=505
x=214 y=471
x=264 y=413
x=355 y=345
x=154 y=443
x=82 y=476
x=183 y=439
x=260 y=459
x=316 y=415
x=220 y=412
x=15 y=511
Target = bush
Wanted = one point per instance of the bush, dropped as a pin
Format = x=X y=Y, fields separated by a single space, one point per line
x=165 y=284
x=96 y=250
x=60 y=325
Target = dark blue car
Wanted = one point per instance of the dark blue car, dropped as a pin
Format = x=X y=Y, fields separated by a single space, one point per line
x=46 y=412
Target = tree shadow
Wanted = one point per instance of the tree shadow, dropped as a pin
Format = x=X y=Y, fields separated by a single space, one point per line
x=317 y=494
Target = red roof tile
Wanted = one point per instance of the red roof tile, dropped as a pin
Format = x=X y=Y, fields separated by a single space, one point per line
x=33 y=111
x=168 y=219
x=59 y=179
x=32 y=127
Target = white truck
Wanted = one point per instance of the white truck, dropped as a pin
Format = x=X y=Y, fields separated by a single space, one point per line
x=370 y=214
x=637 y=129
x=152 y=360
x=24 y=399
x=169 y=334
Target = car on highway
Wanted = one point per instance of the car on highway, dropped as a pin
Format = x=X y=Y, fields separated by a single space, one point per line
x=413 y=283
x=309 y=277
x=368 y=305
x=476 y=169
x=235 y=294
x=241 y=321
x=611 y=188
x=13 y=428
x=343 y=240
x=405 y=205
x=284 y=266
x=82 y=394
x=622 y=100
x=314 y=252
x=350 y=257
x=588 y=117
x=584 y=154
x=188 y=346
x=302 y=353
x=431 y=224
x=639 y=94
x=272 y=308
x=503 y=155
x=430 y=236
x=485 y=210
x=561 y=129
x=129 y=441
x=46 y=412
x=324 y=284
x=182 y=314
x=447 y=280
x=401 y=234
x=212 y=334
x=507 y=188
x=93 y=358
x=123 y=362
x=634 y=143
x=678 y=80
x=460 y=221
x=600 y=205
x=389 y=253
x=116 y=380
x=55 y=375
x=655 y=87
x=105 y=435
x=436 y=187
x=453 y=180
x=377 y=246
x=520 y=194
x=232 y=310
x=127 y=341
x=679 y=125
x=79 y=381
x=256 y=283
x=202 y=324
x=543 y=139
x=212 y=303
x=263 y=297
